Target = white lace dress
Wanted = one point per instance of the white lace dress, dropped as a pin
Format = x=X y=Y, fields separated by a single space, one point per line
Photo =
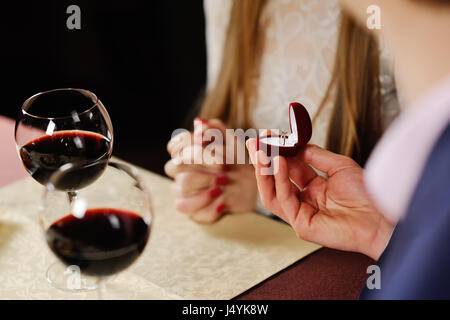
x=297 y=60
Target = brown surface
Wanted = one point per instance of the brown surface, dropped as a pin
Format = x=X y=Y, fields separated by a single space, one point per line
x=325 y=274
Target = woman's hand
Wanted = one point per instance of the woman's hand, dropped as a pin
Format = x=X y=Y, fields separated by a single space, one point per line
x=335 y=212
x=204 y=189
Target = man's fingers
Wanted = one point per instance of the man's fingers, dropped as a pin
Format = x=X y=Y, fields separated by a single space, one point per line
x=314 y=193
x=301 y=173
x=266 y=186
x=258 y=157
x=265 y=183
x=251 y=147
x=285 y=190
x=298 y=212
x=324 y=160
x=302 y=224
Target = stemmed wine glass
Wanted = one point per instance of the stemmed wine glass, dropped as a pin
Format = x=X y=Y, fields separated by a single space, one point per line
x=61 y=126
x=102 y=231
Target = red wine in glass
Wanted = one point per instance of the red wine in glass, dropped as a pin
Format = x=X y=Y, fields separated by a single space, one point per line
x=64 y=126
x=103 y=230
x=102 y=242
x=44 y=155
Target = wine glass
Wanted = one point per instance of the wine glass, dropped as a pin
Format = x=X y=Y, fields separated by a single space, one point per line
x=102 y=231
x=60 y=126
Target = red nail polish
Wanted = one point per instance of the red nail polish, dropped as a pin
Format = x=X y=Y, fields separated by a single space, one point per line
x=200 y=120
x=215 y=192
x=222 y=180
x=221 y=208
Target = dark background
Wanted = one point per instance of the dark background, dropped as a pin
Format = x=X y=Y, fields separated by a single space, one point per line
x=144 y=59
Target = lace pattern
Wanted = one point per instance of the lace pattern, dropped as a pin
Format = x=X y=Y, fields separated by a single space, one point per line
x=300 y=39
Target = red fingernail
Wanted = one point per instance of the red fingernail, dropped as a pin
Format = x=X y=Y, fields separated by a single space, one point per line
x=215 y=192
x=222 y=180
x=200 y=120
x=221 y=208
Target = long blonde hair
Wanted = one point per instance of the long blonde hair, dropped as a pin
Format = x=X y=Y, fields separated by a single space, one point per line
x=355 y=125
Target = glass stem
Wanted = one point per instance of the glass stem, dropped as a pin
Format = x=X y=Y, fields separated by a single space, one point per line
x=72 y=195
x=101 y=288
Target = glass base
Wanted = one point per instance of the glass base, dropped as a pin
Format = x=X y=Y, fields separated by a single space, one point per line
x=70 y=278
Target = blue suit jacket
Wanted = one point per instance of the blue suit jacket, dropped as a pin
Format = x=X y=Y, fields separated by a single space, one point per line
x=416 y=263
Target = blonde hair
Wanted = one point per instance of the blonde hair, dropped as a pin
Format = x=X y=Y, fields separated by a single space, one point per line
x=355 y=125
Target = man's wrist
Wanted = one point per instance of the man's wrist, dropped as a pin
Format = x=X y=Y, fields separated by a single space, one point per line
x=381 y=241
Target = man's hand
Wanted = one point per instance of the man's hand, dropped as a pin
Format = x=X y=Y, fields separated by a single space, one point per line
x=335 y=212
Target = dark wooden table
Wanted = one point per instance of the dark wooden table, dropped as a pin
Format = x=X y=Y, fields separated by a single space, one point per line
x=324 y=274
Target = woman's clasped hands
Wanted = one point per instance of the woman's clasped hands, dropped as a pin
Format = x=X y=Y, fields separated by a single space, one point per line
x=205 y=188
